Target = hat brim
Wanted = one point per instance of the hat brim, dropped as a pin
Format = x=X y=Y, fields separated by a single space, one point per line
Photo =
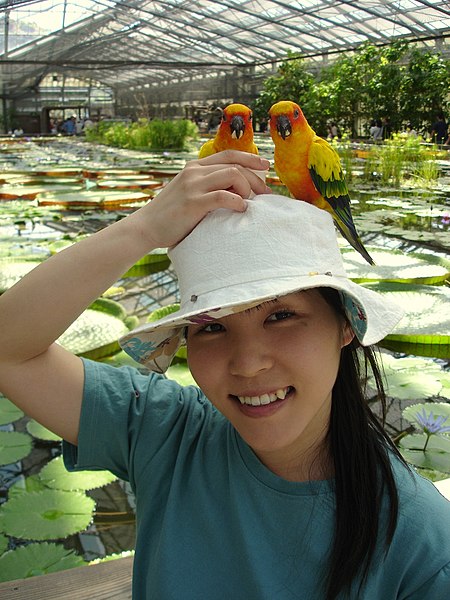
x=371 y=315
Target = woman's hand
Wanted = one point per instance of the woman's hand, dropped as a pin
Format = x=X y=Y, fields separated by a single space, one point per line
x=223 y=180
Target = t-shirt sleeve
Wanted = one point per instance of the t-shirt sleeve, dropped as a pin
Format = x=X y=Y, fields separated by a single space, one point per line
x=126 y=417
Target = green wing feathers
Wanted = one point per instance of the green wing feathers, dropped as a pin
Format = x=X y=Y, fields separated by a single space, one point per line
x=326 y=173
x=325 y=169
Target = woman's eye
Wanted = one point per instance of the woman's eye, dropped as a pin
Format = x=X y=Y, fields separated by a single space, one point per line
x=280 y=315
x=212 y=328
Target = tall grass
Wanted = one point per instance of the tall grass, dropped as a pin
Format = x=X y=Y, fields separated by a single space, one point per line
x=144 y=134
x=404 y=157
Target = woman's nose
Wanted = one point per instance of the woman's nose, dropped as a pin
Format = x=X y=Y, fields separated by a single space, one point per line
x=249 y=355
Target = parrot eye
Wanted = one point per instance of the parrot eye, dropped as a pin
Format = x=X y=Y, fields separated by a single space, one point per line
x=296 y=114
x=250 y=117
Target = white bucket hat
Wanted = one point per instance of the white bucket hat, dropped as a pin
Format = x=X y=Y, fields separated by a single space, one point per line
x=232 y=261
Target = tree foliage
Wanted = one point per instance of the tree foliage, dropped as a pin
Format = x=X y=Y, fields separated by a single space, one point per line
x=402 y=82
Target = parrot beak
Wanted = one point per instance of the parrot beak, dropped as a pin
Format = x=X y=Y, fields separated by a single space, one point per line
x=284 y=126
x=237 y=127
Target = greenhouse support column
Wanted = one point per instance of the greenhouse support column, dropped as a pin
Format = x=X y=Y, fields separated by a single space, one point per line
x=4 y=85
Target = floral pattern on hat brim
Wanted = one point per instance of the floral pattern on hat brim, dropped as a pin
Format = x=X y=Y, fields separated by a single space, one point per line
x=356 y=315
x=156 y=348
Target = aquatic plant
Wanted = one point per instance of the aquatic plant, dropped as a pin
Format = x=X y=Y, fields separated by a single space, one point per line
x=144 y=134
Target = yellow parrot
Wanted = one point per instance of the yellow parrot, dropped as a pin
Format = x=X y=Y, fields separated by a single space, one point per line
x=311 y=169
x=235 y=132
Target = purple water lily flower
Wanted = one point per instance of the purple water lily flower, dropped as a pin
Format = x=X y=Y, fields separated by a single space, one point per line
x=431 y=425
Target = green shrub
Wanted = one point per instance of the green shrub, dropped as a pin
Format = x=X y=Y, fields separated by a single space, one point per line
x=144 y=134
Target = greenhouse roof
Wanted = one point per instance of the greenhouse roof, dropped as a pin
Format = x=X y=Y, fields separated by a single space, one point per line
x=136 y=42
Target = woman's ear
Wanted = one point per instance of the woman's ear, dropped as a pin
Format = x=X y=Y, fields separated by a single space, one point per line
x=347 y=334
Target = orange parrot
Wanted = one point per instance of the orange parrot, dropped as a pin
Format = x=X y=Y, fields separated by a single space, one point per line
x=235 y=132
x=311 y=169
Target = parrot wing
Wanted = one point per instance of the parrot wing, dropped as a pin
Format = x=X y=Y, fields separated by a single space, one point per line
x=325 y=168
x=326 y=172
x=207 y=149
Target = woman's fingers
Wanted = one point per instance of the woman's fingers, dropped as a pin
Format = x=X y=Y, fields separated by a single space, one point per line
x=233 y=178
x=243 y=159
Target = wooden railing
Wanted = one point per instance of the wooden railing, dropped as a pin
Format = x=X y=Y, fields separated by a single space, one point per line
x=106 y=581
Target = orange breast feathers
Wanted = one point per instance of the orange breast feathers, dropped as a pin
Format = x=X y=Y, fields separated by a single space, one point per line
x=293 y=137
x=235 y=132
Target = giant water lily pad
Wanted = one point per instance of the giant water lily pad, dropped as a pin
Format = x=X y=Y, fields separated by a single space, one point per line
x=94 y=199
x=396 y=266
x=96 y=331
x=55 y=475
x=9 y=411
x=14 y=446
x=424 y=329
x=180 y=373
x=28 y=192
x=11 y=270
x=47 y=515
x=413 y=378
x=37 y=559
x=153 y=262
x=129 y=184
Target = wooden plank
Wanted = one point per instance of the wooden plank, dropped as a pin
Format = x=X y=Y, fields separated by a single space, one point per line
x=107 y=581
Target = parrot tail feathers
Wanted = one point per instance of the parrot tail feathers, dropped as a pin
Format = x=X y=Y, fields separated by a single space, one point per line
x=355 y=241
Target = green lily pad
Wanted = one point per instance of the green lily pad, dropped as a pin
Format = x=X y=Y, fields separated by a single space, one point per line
x=436 y=456
x=25 y=485
x=47 y=515
x=14 y=446
x=425 y=328
x=396 y=266
x=115 y=556
x=41 y=433
x=37 y=559
x=8 y=411
x=54 y=475
x=3 y=543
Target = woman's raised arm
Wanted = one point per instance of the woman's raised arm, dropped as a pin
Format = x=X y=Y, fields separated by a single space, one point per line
x=40 y=376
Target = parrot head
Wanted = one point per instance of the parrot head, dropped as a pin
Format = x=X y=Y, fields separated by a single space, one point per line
x=236 y=118
x=285 y=117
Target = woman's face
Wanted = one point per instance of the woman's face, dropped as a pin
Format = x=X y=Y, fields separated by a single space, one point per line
x=270 y=371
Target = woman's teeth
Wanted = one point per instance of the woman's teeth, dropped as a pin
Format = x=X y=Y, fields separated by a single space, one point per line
x=265 y=398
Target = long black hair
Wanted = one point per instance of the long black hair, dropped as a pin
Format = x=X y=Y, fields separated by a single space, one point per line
x=361 y=451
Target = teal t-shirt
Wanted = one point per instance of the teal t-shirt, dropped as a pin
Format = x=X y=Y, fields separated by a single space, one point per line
x=213 y=523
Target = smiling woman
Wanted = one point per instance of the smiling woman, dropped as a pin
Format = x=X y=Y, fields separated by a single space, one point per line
x=274 y=479
x=271 y=372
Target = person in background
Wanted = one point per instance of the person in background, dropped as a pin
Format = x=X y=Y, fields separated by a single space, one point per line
x=376 y=130
x=272 y=479
x=439 y=130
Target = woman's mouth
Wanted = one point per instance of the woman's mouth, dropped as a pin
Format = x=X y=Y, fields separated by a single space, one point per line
x=267 y=398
